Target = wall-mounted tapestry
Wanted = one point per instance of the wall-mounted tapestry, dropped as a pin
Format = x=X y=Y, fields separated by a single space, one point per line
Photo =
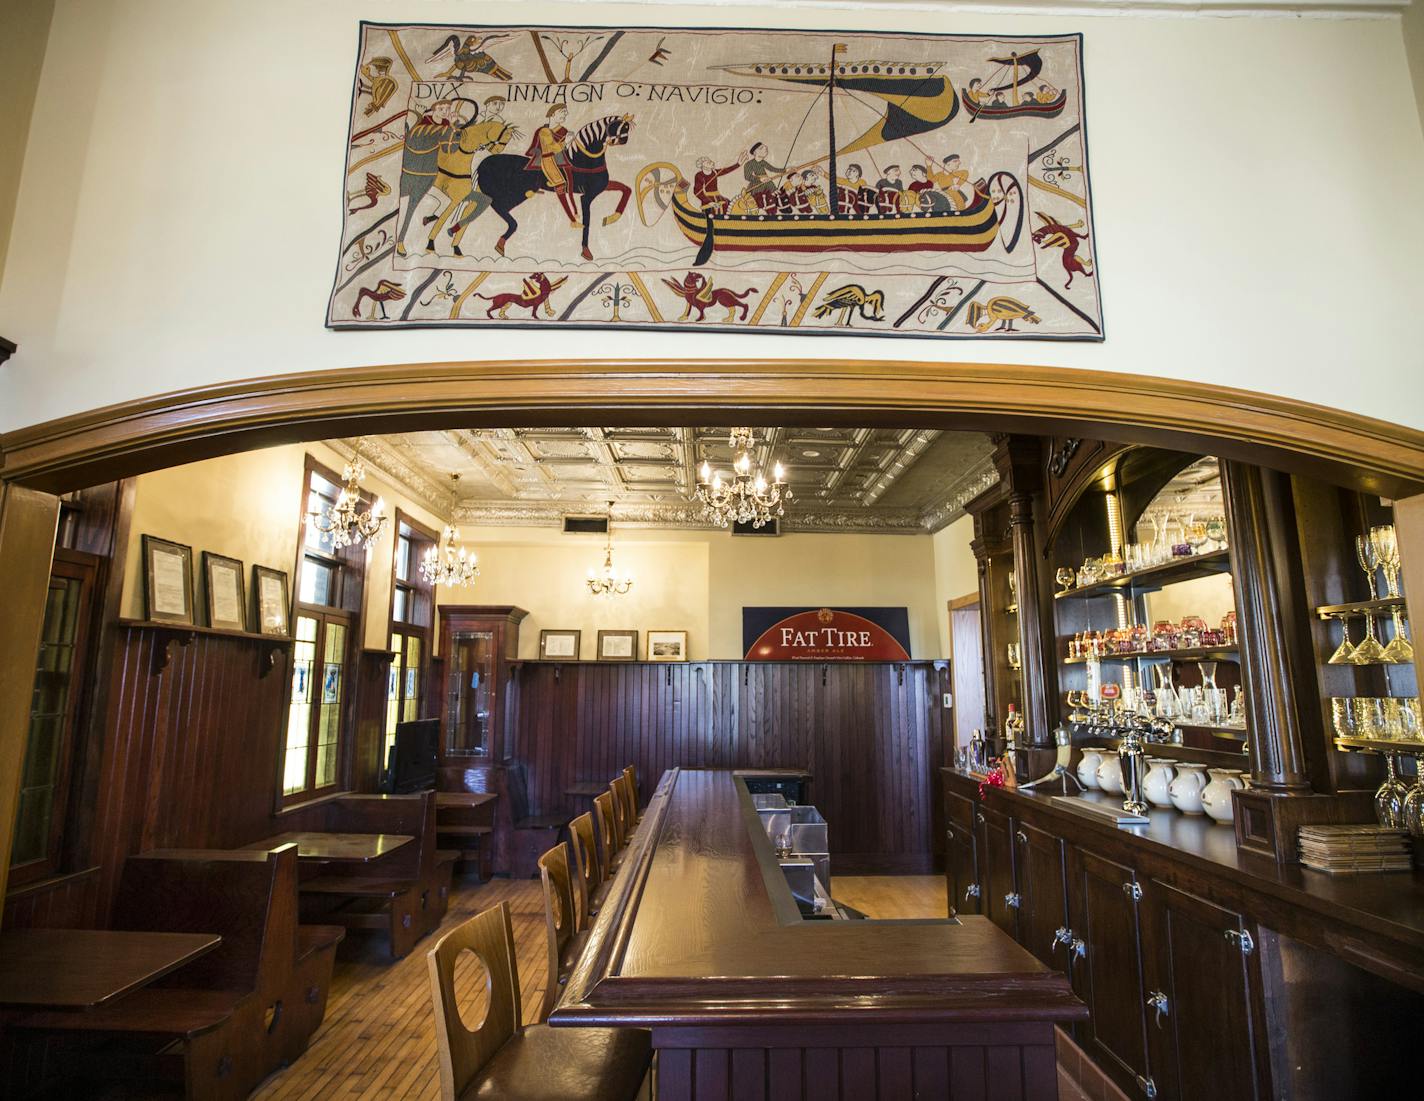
x=776 y=181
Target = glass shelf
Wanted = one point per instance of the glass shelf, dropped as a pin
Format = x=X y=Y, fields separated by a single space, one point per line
x=1237 y=732
x=1382 y=745
x=1154 y=577
x=1226 y=653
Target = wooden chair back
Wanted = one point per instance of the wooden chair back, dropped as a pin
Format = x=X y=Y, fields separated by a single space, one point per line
x=630 y=791
x=621 y=818
x=249 y=898
x=463 y=1051
x=560 y=917
x=608 y=839
x=587 y=872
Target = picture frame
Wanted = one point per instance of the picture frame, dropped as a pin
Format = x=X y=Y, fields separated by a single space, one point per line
x=224 y=592
x=667 y=645
x=167 y=581
x=559 y=645
x=271 y=602
x=617 y=645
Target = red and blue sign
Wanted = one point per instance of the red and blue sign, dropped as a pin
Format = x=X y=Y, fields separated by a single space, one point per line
x=826 y=634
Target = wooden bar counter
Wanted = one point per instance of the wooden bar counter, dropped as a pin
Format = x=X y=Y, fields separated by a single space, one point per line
x=701 y=942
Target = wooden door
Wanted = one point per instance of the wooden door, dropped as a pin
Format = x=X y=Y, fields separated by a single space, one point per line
x=961 y=877
x=1203 y=1035
x=1042 y=888
x=996 y=870
x=1104 y=898
x=966 y=667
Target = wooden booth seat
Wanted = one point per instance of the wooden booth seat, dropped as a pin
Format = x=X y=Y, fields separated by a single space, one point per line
x=223 y=1022
x=404 y=893
x=499 y=1059
x=533 y=833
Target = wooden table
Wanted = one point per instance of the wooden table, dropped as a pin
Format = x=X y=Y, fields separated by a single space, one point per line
x=469 y=799
x=84 y=968
x=315 y=845
x=701 y=941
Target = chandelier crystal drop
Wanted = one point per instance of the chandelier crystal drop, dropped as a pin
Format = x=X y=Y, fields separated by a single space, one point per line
x=747 y=498
x=344 y=524
x=609 y=583
x=449 y=564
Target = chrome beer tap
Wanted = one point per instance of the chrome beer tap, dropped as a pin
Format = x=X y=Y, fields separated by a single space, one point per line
x=1137 y=728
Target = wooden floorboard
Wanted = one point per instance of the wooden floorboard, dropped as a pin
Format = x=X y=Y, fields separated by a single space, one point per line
x=378 y=1039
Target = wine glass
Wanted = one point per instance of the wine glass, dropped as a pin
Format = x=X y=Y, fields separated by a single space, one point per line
x=1196 y=534
x=1414 y=807
x=1369 y=651
x=1216 y=531
x=1368 y=560
x=1385 y=547
x=1065 y=577
x=1389 y=799
x=1344 y=653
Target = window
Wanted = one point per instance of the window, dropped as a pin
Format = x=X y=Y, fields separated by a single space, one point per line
x=412 y=611
x=54 y=715
x=329 y=585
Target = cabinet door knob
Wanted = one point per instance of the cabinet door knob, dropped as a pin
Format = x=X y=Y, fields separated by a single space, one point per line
x=949 y=835
x=1061 y=935
x=1023 y=837
x=1242 y=939
x=979 y=818
x=1079 y=948
x=1148 y=1087
x=1158 y=1001
x=972 y=891
x=1133 y=890
x=1012 y=900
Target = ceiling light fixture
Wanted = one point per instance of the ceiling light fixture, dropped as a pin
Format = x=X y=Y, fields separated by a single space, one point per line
x=441 y=565
x=748 y=498
x=342 y=523
x=609 y=583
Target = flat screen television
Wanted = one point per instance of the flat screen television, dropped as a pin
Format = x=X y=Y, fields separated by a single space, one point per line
x=412 y=758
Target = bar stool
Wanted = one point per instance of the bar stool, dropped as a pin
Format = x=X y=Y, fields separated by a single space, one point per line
x=587 y=872
x=566 y=935
x=610 y=840
x=501 y=1059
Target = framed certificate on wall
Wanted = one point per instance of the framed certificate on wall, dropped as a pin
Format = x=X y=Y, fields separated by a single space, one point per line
x=223 y=590
x=617 y=645
x=167 y=581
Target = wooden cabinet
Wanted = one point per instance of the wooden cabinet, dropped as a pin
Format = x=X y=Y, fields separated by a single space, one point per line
x=1000 y=902
x=479 y=647
x=1043 y=911
x=961 y=877
x=1103 y=903
x=1203 y=980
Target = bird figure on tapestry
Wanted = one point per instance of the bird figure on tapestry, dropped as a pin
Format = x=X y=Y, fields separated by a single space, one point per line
x=383 y=292
x=470 y=57
x=849 y=300
x=1002 y=309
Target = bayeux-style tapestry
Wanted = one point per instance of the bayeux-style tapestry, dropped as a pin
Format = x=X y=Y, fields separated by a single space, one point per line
x=730 y=180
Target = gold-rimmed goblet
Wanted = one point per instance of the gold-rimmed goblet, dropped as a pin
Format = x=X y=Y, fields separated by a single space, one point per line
x=1065 y=577
x=1385 y=545
x=1369 y=651
x=1400 y=650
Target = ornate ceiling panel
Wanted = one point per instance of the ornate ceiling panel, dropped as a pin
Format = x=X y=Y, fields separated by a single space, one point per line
x=889 y=480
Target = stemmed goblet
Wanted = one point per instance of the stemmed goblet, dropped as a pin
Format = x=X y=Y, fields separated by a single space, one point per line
x=1389 y=799
x=1065 y=577
x=1369 y=651
x=1344 y=653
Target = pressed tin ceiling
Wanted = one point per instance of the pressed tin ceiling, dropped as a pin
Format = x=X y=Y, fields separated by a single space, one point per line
x=888 y=480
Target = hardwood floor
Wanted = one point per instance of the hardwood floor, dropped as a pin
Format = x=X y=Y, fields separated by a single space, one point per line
x=378 y=1039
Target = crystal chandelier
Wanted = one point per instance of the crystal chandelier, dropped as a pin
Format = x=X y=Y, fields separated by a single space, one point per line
x=608 y=583
x=343 y=524
x=442 y=565
x=747 y=498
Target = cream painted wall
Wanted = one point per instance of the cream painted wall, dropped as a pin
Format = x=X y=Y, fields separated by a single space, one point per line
x=248 y=507
x=698 y=581
x=956 y=573
x=1413 y=27
x=178 y=216
x=25 y=24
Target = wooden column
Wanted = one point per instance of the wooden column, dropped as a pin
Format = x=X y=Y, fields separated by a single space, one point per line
x=1409 y=530
x=1277 y=665
x=1036 y=645
x=27 y=527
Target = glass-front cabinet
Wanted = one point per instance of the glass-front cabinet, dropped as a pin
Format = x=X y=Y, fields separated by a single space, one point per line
x=479 y=645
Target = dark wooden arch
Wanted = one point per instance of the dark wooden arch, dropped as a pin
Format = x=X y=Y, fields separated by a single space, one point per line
x=207 y=421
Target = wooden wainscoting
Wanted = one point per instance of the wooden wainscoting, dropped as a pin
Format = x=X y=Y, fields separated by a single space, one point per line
x=871 y=734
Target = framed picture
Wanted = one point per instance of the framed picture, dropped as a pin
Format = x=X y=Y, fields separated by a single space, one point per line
x=269 y=595
x=559 y=645
x=667 y=645
x=617 y=645
x=167 y=581
x=224 y=592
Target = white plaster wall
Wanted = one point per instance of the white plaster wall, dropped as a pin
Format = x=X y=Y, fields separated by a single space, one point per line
x=956 y=572
x=1257 y=185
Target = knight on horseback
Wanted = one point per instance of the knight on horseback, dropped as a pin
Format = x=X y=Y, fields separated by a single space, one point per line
x=546 y=153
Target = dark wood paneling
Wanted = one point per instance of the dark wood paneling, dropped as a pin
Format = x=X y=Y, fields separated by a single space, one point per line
x=66 y=902
x=191 y=746
x=368 y=715
x=871 y=734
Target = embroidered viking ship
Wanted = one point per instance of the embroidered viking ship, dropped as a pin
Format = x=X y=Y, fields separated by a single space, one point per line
x=1023 y=69
x=918 y=98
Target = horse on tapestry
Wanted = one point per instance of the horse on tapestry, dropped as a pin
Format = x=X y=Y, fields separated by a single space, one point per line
x=508 y=180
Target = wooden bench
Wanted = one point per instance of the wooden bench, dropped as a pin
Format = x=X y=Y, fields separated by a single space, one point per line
x=223 y=1022
x=403 y=893
x=465 y=825
x=534 y=834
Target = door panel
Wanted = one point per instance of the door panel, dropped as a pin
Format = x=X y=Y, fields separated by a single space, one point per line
x=1105 y=916
x=1202 y=1044
x=1043 y=903
x=996 y=870
x=959 y=862
x=967 y=671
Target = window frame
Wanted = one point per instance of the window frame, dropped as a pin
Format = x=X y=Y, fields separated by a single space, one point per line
x=345 y=610
x=420 y=594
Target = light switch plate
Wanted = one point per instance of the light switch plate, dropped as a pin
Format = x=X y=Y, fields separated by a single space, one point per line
x=948 y=701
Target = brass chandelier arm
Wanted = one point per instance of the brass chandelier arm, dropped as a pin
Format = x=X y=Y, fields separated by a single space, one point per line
x=748 y=498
